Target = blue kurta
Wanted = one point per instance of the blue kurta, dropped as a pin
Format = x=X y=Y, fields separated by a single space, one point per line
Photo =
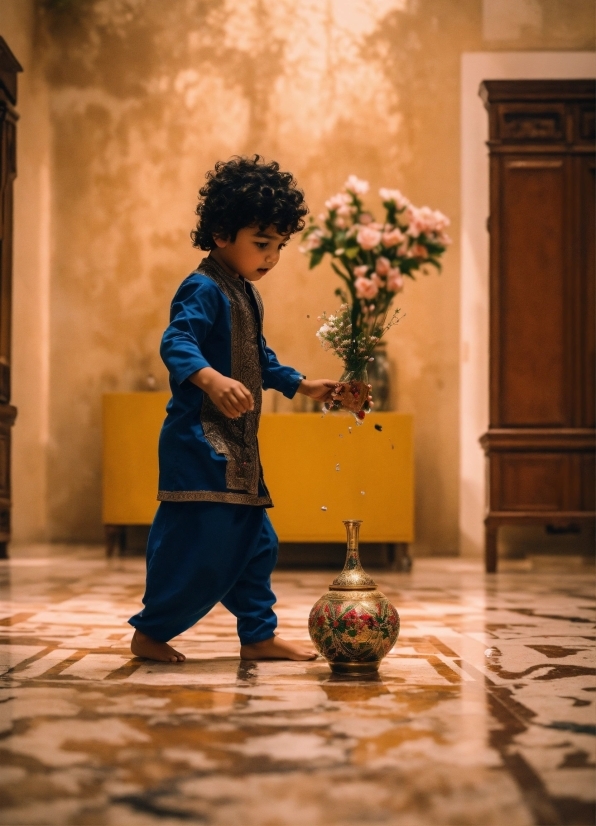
x=216 y=321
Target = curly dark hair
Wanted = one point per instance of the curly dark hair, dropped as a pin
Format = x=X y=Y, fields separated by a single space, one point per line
x=246 y=192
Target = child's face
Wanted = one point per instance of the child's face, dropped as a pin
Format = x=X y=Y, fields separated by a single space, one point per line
x=253 y=253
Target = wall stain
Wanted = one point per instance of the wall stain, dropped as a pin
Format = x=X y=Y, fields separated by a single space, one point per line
x=145 y=96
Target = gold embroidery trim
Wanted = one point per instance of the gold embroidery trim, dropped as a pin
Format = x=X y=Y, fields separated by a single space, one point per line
x=212 y=496
x=236 y=439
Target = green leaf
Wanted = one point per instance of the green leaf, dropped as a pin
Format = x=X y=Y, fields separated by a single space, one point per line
x=316 y=257
x=352 y=252
x=339 y=272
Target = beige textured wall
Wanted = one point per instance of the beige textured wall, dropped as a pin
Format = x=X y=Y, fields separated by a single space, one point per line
x=30 y=358
x=146 y=95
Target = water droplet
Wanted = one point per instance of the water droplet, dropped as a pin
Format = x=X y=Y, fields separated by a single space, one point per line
x=307 y=315
x=341 y=435
x=323 y=508
x=349 y=429
x=337 y=466
x=379 y=427
x=362 y=493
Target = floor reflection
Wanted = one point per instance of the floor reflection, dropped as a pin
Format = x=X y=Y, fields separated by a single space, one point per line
x=482 y=714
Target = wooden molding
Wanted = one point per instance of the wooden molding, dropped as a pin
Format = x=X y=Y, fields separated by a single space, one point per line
x=524 y=439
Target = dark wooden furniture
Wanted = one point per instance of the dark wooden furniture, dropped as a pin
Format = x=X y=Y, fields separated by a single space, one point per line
x=9 y=67
x=541 y=438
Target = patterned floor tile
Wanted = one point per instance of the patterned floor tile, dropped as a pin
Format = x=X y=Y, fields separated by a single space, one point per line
x=482 y=714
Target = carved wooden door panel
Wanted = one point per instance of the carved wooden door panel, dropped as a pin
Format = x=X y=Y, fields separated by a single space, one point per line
x=540 y=442
x=9 y=67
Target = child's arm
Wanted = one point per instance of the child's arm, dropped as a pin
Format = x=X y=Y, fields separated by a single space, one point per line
x=195 y=307
x=277 y=376
x=321 y=390
x=228 y=395
x=289 y=382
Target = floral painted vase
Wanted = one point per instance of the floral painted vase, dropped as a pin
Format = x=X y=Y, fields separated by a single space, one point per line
x=354 y=625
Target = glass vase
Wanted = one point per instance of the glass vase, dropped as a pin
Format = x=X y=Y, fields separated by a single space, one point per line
x=351 y=392
x=354 y=625
x=379 y=375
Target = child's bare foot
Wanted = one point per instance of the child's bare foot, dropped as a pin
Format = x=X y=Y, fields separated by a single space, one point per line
x=277 y=649
x=144 y=646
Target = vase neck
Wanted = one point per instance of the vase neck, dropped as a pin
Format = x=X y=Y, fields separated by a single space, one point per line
x=352 y=535
x=359 y=373
x=353 y=577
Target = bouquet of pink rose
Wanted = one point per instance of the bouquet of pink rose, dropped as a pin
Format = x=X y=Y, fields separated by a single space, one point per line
x=371 y=259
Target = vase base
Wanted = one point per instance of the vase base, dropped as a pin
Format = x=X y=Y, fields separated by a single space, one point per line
x=355 y=669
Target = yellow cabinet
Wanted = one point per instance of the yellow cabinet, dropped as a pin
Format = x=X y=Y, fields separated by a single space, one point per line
x=322 y=469
x=131 y=425
x=319 y=470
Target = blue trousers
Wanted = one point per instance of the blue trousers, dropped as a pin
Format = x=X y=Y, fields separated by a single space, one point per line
x=202 y=553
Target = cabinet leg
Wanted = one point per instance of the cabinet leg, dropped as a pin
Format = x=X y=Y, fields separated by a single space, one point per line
x=490 y=548
x=115 y=539
x=398 y=557
x=3 y=550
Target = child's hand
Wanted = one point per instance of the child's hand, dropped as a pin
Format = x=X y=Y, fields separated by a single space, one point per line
x=321 y=390
x=231 y=397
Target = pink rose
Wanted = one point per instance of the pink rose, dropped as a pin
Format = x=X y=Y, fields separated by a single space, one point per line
x=395 y=196
x=383 y=265
x=440 y=221
x=392 y=237
x=337 y=201
x=366 y=287
x=366 y=218
x=356 y=186
x=415 y=222
x=419 y=251
x=360 y=271
x=312 y=241
x=425 y=219
x=368 y=238
x=395 y=280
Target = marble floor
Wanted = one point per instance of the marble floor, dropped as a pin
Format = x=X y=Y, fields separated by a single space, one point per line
x=482 y=715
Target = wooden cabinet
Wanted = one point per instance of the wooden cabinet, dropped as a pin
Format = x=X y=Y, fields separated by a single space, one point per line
x=319 y=470
x=541 y=437
x=9 y=67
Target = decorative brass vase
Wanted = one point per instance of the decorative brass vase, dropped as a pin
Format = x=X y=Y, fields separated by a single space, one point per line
x=354 y=625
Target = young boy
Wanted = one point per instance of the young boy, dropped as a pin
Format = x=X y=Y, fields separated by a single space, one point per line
x=211 y=540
